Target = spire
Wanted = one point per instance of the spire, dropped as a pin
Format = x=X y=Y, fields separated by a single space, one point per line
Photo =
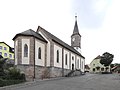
x=76 y=37
x=76 y=31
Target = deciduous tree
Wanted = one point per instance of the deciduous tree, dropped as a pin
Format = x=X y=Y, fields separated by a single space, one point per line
x=106 y=59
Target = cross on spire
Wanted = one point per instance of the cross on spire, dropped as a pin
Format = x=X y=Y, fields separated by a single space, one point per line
x=75 y=17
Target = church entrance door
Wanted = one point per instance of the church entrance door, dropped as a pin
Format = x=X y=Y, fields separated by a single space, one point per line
x=72 y=66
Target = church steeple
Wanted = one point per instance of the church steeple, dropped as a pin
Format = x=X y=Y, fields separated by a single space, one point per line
x=76 y=30
x=76 y=37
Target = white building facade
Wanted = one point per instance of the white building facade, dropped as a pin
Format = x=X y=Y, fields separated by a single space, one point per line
x=40 y=54
x=97 y=67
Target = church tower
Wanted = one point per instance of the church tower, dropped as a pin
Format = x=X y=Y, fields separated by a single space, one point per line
x=76 y=37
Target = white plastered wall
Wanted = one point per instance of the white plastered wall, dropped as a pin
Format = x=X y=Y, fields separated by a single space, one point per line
x=78 y=62
x=66 y=52
x=57 y=64
x=48 y=49
x=82 y=64
x=39 y=44
x=25 y=60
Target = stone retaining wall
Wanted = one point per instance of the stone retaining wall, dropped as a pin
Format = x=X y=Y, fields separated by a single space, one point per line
x=43 y=72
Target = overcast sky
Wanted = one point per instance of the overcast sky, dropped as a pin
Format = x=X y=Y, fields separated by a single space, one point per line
x=98 y=22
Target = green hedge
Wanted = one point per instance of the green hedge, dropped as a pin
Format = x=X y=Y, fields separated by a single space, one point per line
x=9 y=82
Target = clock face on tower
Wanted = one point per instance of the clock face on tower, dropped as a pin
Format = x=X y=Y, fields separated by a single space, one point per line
x=73 y=39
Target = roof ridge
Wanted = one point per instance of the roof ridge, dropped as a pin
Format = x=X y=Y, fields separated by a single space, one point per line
x=62 y=42
x=30 y=32
x=54 y=36
x=6 y=44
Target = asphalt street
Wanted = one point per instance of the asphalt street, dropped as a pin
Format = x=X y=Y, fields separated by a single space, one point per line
x=85 y=82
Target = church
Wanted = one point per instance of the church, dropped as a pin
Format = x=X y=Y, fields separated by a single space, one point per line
x=40 y=54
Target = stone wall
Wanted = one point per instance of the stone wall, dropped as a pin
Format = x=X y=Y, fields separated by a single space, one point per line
x=28 y=70
x=43 y=72
x=66 y=71
x=58 y=72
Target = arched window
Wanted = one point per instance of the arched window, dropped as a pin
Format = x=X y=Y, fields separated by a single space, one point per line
x=39 y=53
x=65 y=59
x=82 y=64
x=57 y=56
x=25 y=50
x=78 y=63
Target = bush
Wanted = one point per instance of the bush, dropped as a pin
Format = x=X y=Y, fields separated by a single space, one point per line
x=9 y=75
x=15 y=74
x=9 y=82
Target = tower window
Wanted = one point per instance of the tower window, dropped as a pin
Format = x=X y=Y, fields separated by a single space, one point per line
x=39 y=53
x=25 y=50
x=57 y=56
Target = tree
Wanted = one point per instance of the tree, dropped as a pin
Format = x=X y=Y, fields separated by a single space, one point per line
x=2 y=66
x=106 y=59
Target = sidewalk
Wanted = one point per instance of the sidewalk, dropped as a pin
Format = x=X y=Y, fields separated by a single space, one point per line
x=26 y=84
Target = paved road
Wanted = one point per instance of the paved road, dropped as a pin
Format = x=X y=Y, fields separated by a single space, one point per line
x=86 y=82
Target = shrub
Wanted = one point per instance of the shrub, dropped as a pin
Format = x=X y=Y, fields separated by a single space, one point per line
x=15 y=74
x=9 y=82
x=9 y=75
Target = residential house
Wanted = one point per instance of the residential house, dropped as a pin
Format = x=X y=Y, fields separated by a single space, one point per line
x=6 y=51
x=97 y=67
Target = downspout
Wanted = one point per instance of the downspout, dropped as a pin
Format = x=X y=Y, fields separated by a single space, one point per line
x=75 y=62
x=84 y=66
x=62 y=62
x=34 y=60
